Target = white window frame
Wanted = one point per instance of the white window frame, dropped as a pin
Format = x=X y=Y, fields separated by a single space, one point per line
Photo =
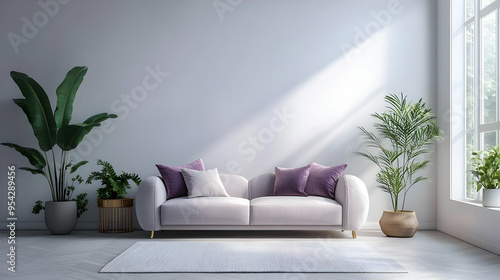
x=458 y=126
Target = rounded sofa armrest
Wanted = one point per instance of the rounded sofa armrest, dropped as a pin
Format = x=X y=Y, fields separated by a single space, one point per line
x=352 y=194
x=150 y=196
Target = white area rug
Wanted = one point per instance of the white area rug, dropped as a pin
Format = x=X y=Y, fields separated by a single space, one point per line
x=252 y=256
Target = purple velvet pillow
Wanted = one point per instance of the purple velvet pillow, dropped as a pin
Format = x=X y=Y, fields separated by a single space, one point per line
x=290 y=181
x=323 y=179
x=172 y=177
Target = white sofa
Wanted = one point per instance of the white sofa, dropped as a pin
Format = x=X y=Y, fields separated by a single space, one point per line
x=252 y=206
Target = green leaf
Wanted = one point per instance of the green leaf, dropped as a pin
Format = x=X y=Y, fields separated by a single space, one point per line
x=70 y=136
x=37 y=108
x=32 y=170
x=99 y=118
x=66 y=93
x=38 y=207
x=81 y=204
x=76 y=166
x=34 y=156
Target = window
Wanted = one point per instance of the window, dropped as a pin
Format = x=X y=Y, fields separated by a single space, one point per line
x=475 y=60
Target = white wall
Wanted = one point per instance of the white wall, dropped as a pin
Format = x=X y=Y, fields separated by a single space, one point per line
x=233 y=68
x=469 y=222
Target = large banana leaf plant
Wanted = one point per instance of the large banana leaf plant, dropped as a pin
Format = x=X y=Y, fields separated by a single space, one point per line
x=52 y=129
x=406 y=131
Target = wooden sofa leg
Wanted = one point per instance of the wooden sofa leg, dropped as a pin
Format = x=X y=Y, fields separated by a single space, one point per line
x=354 y=234
x=152 y=234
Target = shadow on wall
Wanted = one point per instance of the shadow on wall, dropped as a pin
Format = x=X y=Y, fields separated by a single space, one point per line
x=239 y=70
x=303 y=124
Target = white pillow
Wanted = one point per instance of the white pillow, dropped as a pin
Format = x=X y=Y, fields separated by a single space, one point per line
x=203 y=183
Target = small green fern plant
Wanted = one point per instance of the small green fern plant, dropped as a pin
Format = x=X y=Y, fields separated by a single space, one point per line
x=114 y=186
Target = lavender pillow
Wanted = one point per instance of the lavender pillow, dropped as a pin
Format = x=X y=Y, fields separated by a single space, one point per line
x=323 y=179
x=290 y=181
x=172 y=177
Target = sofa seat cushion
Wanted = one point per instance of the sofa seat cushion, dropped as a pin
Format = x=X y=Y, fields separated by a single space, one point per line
x=206 y=211
x=295 y=210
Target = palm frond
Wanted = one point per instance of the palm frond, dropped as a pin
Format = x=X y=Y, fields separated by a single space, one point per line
x=404 y=133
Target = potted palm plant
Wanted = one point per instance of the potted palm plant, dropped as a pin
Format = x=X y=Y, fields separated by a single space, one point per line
x=56 y=139
x=115 y=210
x=406 y=131
x=486 y=169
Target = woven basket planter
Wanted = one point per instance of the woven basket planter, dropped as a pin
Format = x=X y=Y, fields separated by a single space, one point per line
x=399 y=224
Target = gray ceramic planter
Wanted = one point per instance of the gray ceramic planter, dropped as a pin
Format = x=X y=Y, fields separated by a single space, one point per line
x=60 y=216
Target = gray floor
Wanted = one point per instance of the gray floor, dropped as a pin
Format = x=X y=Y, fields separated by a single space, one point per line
x=80 y=255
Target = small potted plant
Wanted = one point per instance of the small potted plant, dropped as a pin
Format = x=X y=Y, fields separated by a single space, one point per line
x=115 y=210
x=486 y=169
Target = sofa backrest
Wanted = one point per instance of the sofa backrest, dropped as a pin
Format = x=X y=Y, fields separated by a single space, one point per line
x=235 y=185
x=262 y=185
